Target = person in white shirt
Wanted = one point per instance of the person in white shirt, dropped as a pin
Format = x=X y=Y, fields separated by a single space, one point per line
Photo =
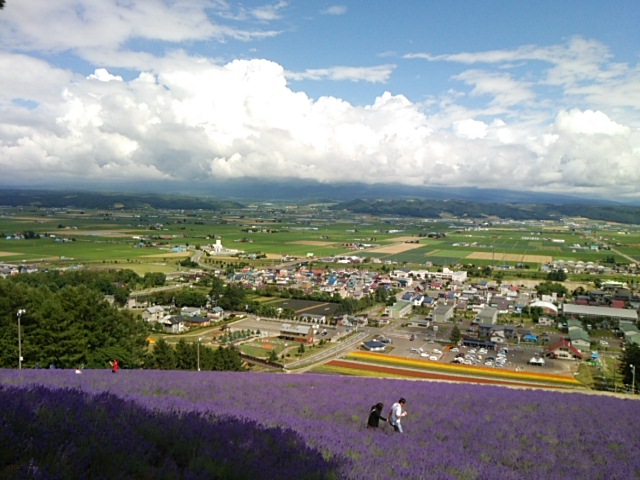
x=397 y=412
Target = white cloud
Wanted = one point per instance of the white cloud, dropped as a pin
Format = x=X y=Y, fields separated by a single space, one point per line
x=269 y=12
x=470 y=128
x=22 y=76
x=193 y=118
x=504 y=90
x=580 y=71
x=375 y=74
x=175 y=115
x=589 y=123
x=335 y=10
x=91 y=25
x=102 y=75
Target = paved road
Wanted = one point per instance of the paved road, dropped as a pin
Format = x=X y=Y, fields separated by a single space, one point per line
x=631 y=259
x=336 y=350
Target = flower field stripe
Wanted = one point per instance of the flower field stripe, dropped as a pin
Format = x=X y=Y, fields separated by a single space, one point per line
x=346 y=367
x=463 y=369
x=343 y=367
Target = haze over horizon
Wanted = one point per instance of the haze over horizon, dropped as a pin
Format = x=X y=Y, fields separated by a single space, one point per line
x=540 y=96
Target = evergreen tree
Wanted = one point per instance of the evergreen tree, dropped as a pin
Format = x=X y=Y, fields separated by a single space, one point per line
x=68 y=327
x=273 y=356
x=456 y=335
x=186 y=355
x=630 y=363
x=163 y=356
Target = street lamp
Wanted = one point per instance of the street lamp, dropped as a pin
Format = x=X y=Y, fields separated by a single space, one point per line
x=633 y=379
x=20 y=313
x=199 y=339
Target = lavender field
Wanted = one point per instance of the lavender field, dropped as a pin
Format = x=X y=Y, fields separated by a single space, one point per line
x=159 y=424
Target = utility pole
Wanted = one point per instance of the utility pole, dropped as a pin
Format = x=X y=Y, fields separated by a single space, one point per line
x=633 y=379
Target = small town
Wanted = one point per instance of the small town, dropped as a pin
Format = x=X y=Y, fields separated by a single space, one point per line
x=337 y=305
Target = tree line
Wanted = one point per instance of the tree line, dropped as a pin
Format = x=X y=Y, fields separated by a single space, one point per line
x=68 y=324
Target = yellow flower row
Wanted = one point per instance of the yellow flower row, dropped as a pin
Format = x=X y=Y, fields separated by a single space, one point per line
x=461 y=369
x=353 y=371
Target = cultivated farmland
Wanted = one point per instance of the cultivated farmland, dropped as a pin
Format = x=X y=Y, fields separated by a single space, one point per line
x=139 y=238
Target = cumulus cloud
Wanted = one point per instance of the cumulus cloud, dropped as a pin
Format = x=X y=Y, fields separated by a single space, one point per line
x=102 y=75
x=576 y=122
x=179 y=116
x=196 y=120
x=470 y=128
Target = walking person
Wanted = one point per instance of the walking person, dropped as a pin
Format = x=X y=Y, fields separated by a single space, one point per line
x=375 y=415
x=396 y=414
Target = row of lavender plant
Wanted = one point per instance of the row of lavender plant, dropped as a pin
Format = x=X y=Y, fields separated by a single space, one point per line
x=67 y=434
x=457 y=431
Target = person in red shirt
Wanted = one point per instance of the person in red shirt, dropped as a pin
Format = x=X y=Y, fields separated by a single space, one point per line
x=114 y=366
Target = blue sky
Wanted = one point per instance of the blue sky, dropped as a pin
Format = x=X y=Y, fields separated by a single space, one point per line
x=535 y=95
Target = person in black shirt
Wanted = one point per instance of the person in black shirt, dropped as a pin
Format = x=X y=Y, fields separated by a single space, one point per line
x=375 y=415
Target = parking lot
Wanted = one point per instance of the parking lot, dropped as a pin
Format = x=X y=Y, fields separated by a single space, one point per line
x=430 y=345
x=516 y=357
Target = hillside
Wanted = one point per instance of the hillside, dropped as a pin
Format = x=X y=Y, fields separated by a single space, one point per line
x=394 y=201
x=109 y=200
x=170 y=424
x=427 y=208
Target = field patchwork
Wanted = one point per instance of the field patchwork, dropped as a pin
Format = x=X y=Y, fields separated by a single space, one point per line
x=510 y=257
x=396 y=248
x=312 y=243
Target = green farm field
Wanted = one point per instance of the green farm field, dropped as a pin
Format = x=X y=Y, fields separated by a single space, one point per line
x=113 y=237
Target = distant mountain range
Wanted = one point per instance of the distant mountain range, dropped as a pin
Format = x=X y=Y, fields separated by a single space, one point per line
x=478 y=210
x=109 y=200
x=305 y=190
x=427 y=202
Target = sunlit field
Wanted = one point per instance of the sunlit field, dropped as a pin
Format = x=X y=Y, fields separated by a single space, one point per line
x=100 y=237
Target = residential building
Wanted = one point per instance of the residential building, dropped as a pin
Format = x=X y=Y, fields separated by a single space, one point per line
x=443 y=313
